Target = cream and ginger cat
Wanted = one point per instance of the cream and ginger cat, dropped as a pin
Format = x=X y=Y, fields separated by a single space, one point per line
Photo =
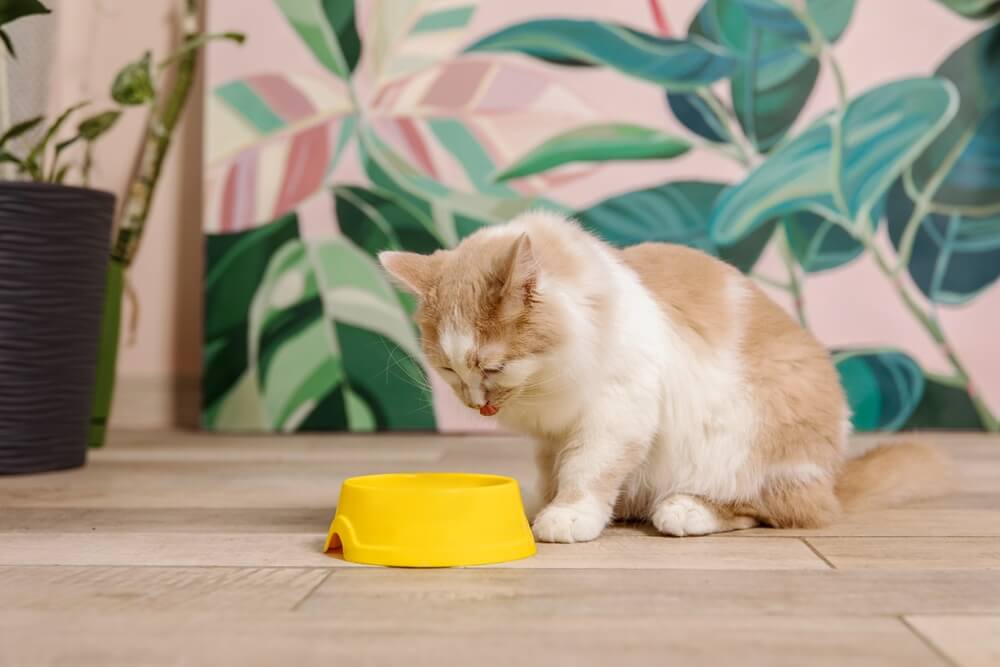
x=660 y=384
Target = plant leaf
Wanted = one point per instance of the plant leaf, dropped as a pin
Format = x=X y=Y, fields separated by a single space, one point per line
x=8 y=43
x=679 y=64
x=17 y=129
x=944 y=406
x=347 y=353
x=612 y=141
x=133 y=85
x=819 y=244
x=831 y=16
x=695 y=114
x=954 y=258
x=972 y=183
x=327 y=28
x=377 y=220
x=676 y=212
x=11 y=10
x=284 y=140
x=973 y=9
x=198 y=41
x=883 y=387
x=38 y=150
x=840 y=168
x=402 y=43
x=93 y=127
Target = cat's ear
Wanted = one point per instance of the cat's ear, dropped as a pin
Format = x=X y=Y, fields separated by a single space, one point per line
x=412 y=271
x=522 y=269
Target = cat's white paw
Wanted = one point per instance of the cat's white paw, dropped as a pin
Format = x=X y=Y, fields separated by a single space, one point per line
x=565 y=524
x=681 y=515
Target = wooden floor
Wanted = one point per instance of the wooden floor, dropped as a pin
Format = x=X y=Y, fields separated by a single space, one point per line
x=184 y=549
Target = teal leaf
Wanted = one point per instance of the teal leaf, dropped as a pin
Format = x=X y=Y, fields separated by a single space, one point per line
x=377 y=220
x=944 y=406
x=469 y=153
x=883 y=387
x=775 y=72
x=675 y=212
x=819 y=244
x=954 y=257
x=327 y=28
x=971 y=182
x=695 y=114
x=598 y=143
x=973 y=9
x=840 y=168
x=679 y=64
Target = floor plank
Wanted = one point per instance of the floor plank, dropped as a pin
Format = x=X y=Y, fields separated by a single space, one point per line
x=171 y=639
x=256 y=549
x=546 y=594
x=85 y=590
x=970 y=641
x=910 y=553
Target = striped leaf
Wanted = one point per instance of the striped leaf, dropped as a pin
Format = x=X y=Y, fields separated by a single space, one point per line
x=277 y=137
x=679 y=64
x=598 y=143
x=327 y=28
x=883 y=387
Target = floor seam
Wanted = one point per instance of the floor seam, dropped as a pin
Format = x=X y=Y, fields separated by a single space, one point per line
x=926 y=641
x=819 y=555
x=295 y=607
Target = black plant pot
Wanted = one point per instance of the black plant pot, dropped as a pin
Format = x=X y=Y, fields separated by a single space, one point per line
x=54 y=245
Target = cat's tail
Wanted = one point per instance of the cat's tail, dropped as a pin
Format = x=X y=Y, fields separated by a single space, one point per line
x=894 y=473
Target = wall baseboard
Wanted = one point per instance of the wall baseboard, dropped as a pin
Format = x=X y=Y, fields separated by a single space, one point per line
x=148 y=402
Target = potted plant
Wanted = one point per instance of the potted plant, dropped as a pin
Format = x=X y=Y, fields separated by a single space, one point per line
x=59 y=296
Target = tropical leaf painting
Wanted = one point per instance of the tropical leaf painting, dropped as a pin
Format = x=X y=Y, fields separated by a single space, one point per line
x=411 y=124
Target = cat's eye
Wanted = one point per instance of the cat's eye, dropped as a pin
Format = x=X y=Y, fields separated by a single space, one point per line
x=493 y=370
x=446 y=369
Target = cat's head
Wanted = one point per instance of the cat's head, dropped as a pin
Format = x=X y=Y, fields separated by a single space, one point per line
x=486 y=320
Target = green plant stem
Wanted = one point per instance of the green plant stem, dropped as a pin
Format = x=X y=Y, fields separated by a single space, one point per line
x=771 y=282
x=164 y=116
x=794 y=282
x=932 y=326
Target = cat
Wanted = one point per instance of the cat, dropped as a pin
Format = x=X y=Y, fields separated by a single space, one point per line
x=659 y=382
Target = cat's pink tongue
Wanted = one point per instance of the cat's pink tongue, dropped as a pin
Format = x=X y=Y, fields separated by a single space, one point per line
x=488 y=410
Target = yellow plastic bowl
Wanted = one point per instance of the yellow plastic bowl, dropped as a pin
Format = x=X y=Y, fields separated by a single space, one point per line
x=430 y=520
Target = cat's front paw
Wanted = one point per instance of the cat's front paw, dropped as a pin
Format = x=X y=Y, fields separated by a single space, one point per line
x=561 y=523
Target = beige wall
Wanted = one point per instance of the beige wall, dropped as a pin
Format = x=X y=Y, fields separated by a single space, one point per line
x=95 y=38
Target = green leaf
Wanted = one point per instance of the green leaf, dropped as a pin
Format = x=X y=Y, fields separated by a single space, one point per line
x=775 y=71
x=612 y=141
x=676 y=212
x=377 y=220
x=944 y=406
x=236 y=264
x=334 y=346
x=694 y=113
x=11 y=10
x=840 y=168
x=327 y=28
x=973 y=9
x=679 y=64
x=60 y=174
x=17 y=129
x=883 y=387
x=819 y=244
x=37 y=152
x=8 y=43
x=954 y=257
x=971 y=183
x=93 y=127
x=196 y=42
x=133 y=85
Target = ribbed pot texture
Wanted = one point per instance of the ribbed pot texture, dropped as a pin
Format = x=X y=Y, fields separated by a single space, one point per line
x=54 y=247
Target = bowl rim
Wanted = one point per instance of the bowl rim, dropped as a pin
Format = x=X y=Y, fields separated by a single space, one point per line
x=481 y=482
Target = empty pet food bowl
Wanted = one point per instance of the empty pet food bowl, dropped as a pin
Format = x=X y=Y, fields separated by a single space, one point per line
x=430 y=520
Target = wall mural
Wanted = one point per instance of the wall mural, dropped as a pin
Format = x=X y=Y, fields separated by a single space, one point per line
x=344 y=128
